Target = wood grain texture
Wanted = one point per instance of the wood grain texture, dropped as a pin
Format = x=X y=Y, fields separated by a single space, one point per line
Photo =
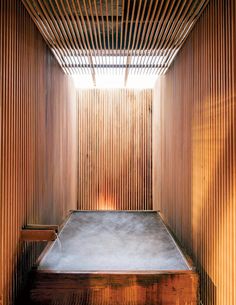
x=163 y=288
x=38 y=143
x=115 y=154
x=196 y=190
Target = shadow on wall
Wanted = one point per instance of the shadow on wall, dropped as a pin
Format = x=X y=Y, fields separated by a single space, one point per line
x=206 y=281
x=21 y=267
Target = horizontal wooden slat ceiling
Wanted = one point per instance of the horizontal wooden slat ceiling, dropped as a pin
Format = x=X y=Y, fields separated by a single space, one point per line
x=132 y=36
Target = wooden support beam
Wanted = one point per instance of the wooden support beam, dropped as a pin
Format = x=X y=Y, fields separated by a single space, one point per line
x=127 y=69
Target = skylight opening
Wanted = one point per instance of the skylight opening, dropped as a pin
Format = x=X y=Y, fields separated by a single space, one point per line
x=114 y=79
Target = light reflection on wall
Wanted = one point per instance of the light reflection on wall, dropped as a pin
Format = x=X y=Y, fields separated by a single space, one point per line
x=106 y=202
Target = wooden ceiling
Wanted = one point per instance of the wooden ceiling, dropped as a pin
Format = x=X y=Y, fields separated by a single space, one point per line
x=133 y=36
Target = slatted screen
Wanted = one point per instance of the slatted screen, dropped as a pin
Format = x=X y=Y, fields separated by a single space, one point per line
x=123 y=37
x=38 y=143
x=115 y=155
x=196 y=191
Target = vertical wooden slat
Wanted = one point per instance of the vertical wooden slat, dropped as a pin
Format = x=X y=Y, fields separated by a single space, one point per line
x=113 y=125
x=194 y=149
x=38 y=143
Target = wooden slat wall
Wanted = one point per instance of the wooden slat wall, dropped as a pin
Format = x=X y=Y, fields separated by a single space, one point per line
x=115 y=154
x=196 y=190
x=38 y=143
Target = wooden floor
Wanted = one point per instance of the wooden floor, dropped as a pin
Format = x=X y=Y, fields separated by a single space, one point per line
x=114 y=258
